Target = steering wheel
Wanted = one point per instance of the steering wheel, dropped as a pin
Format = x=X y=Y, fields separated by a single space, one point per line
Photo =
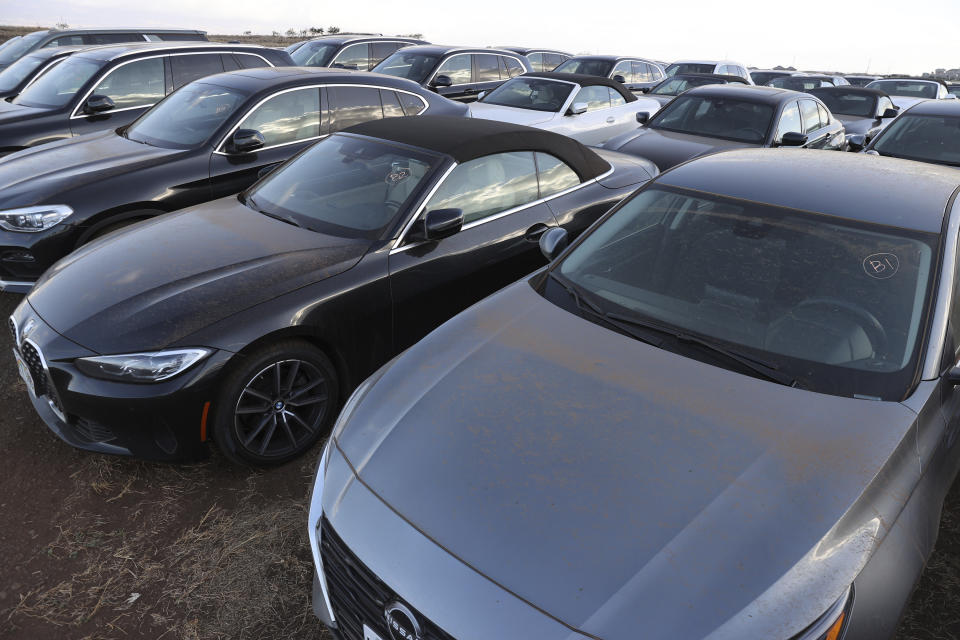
x=867 y=321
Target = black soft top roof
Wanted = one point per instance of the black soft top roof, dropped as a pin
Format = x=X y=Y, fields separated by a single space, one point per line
x=585 y=81
x=466 y=139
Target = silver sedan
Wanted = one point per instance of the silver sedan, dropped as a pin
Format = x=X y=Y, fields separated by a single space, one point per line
x=589 y=109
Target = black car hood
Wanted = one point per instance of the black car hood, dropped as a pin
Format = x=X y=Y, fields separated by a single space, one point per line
x=146 y=287
x=40 y=174
x=626 y=490
x=855 y=125
x=11 y=114
x=667 y=149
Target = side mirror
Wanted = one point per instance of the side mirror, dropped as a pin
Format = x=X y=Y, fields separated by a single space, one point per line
x=889 y=113
x=481 y=94
x=577 y=109
x=793 y=139
x=552 y=242
x=620 y=79
x=856 y=142
x=442 y=81
x=643 y=117
x=98 y=104
x=245 y=141
x=439 y=224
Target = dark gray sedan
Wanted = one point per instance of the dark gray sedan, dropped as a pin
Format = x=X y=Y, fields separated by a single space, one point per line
x=714 y=118
x=728 y=411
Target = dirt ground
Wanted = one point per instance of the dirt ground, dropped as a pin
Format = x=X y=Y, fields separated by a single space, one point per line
x=105 y=548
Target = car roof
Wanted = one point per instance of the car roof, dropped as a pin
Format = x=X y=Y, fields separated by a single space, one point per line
x=344 y=38
x=847 y=88
x=46 y=53
x=935 y=108
x=260 y=78
x=113 y=51
x=441 y=49
x=124 y=30
x=585 y=81
x=701 y=61
x=611 y=58
x=465 y=139
x=767 y=95
x=712 y=76
x=528 y=50
x=874 y=189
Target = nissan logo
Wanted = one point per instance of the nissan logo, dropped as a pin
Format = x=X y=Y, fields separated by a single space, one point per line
x=401 y=622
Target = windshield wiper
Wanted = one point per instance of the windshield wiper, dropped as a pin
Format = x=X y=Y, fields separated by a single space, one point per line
x=248 y=201
x=629 y=326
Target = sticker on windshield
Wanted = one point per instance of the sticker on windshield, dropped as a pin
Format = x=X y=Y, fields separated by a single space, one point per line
x=881 y=265
x=397 y=174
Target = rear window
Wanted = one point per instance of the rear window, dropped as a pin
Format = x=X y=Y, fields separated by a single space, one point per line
x=690 y=67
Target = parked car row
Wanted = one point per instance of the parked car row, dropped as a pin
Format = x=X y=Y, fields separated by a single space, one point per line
x=599 y=335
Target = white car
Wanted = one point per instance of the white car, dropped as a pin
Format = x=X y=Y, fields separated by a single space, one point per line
x=589 y=109
x=721 y=67
x=906 y=92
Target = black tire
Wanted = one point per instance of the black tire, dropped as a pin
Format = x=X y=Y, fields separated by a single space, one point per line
x=276 y=404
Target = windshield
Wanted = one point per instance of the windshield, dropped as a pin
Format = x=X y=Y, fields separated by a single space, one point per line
x=925 y=138
x=954 y=89
x=57 y=86
x=314 y=54
x=187 y=117
x=837 y=305
x=716 y=117
x=586 y=66
x=344 y=186
x=848 y=104
x=798 y=83
x=531 y=93
x=761 y=78
x=16 y=49
x=689 y=67
x=409 y=65
x=906 y=88
x=12 y=76
x=676 y=86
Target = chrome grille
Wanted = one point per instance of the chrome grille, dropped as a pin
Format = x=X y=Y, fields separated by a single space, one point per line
x=357 y=595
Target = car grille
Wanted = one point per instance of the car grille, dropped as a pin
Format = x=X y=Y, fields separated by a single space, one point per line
x=357 y=595
x=32 y=358
x=93 y=432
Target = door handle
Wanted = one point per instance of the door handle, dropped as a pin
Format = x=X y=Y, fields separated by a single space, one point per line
x=533 y=233
x=471 y=91
x=611 y=120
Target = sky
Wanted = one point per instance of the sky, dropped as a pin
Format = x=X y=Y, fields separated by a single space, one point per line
x=879 y=36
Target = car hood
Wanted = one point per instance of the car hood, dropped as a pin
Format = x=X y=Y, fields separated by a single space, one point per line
x=13 y=113
x=148 y=286
x=667 y=148
x=42 y=173
x=854 y=125
x=514 y=115
x=619 y=487
x=905 y=102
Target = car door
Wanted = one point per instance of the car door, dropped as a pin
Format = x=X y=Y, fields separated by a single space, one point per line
x=134 y=87
x=623 y=71
x=836 y=134
x=355 y=57
x=592 y=126
x=536 y=60
x=789 y=122
x=459 y=68
x=185 y=68
x=380 y=51
x=288 y=120
x=817 y=134
x=498 y=243
x=486 y=74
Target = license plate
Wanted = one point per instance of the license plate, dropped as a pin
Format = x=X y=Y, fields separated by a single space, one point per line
x=24 y=372
x=370 y=634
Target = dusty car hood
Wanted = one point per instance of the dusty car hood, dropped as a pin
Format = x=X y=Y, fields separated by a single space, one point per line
x=148 y=286
x=667 y=149
x=514 y=115
x=623 y=489
x=39 y=174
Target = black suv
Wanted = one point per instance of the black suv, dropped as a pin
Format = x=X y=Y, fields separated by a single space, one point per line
x=355 y=52
x=459 y=73
x=109 y=87
x=22 y=45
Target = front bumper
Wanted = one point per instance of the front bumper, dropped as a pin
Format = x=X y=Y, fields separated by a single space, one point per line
x=160 y=421
x=25 y=256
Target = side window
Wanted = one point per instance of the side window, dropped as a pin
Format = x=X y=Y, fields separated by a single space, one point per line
x=380 y=51
x=555 y=175
x=615 y=98
x=391 y=104
x=657 y=72
x=743 y=73
x=824 y=115
x=287 y=117
x=248 y=61
x=883 y=104
x=356 y=56
x=552 y=60
x=624 y=68
x=412 y=105
x=135 y=84
x=188 y=68
x=458 y=68
x=811 y=115
x=789 y=121
x=489 y=185
x=514 y=68
x=536 y=61
x=66 y=41
x=229 y=62
x=487 y=68
x=639 y=72
x=596 y=97
x=353 y=105
x=108 y=38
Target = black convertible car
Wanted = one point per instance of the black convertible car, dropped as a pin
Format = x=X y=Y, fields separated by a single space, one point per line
x=714 y=118
x=205 y=141
x=108 y=87
x=248 y=319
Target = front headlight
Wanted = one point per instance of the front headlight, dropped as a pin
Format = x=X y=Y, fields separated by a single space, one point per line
x=833 y=623
x=33 y=219
x=142 y=367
